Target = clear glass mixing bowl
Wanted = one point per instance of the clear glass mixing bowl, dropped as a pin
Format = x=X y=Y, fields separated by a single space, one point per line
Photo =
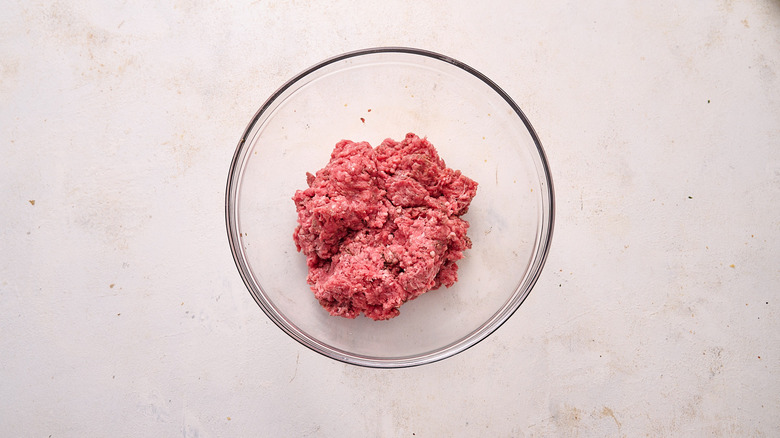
x=370 y=95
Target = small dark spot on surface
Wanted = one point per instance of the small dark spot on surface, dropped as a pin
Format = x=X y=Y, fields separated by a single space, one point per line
x=369 y=110
x=363 y=120
x=32 y=201
x=708 y=101
x=759 y=357
x=111 y=286
x=228 y=418
x=118 y=314
x=690 y=197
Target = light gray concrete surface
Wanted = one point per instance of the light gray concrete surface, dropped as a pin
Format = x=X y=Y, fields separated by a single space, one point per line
x=122 y=314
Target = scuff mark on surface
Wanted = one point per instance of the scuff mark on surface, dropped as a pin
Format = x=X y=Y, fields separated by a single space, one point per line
x=607 y=412
x=297 y=360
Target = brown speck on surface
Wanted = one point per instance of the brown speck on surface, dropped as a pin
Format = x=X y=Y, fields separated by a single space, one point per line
x=759 y=357
x=745 y=23
x=111 y=286
x=732 y=265
x=32 y=201
x=228 y=418
x=369 y=110
x=345 y=104
x=363 y=120
x=118 y=314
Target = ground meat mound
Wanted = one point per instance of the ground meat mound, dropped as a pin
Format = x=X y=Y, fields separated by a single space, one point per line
x=381 y=226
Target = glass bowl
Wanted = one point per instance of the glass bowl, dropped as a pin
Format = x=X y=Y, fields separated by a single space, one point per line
x=370 y=95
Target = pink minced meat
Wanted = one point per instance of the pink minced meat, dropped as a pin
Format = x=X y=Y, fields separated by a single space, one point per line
x=382 y=226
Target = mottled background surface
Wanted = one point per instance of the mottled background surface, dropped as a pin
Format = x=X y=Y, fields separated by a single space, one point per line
x=122 y=314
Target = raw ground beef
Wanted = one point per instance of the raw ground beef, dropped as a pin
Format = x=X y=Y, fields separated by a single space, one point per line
x=382 y=226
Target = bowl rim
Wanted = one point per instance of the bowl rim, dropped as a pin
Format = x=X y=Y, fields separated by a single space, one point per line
x=477 y=335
